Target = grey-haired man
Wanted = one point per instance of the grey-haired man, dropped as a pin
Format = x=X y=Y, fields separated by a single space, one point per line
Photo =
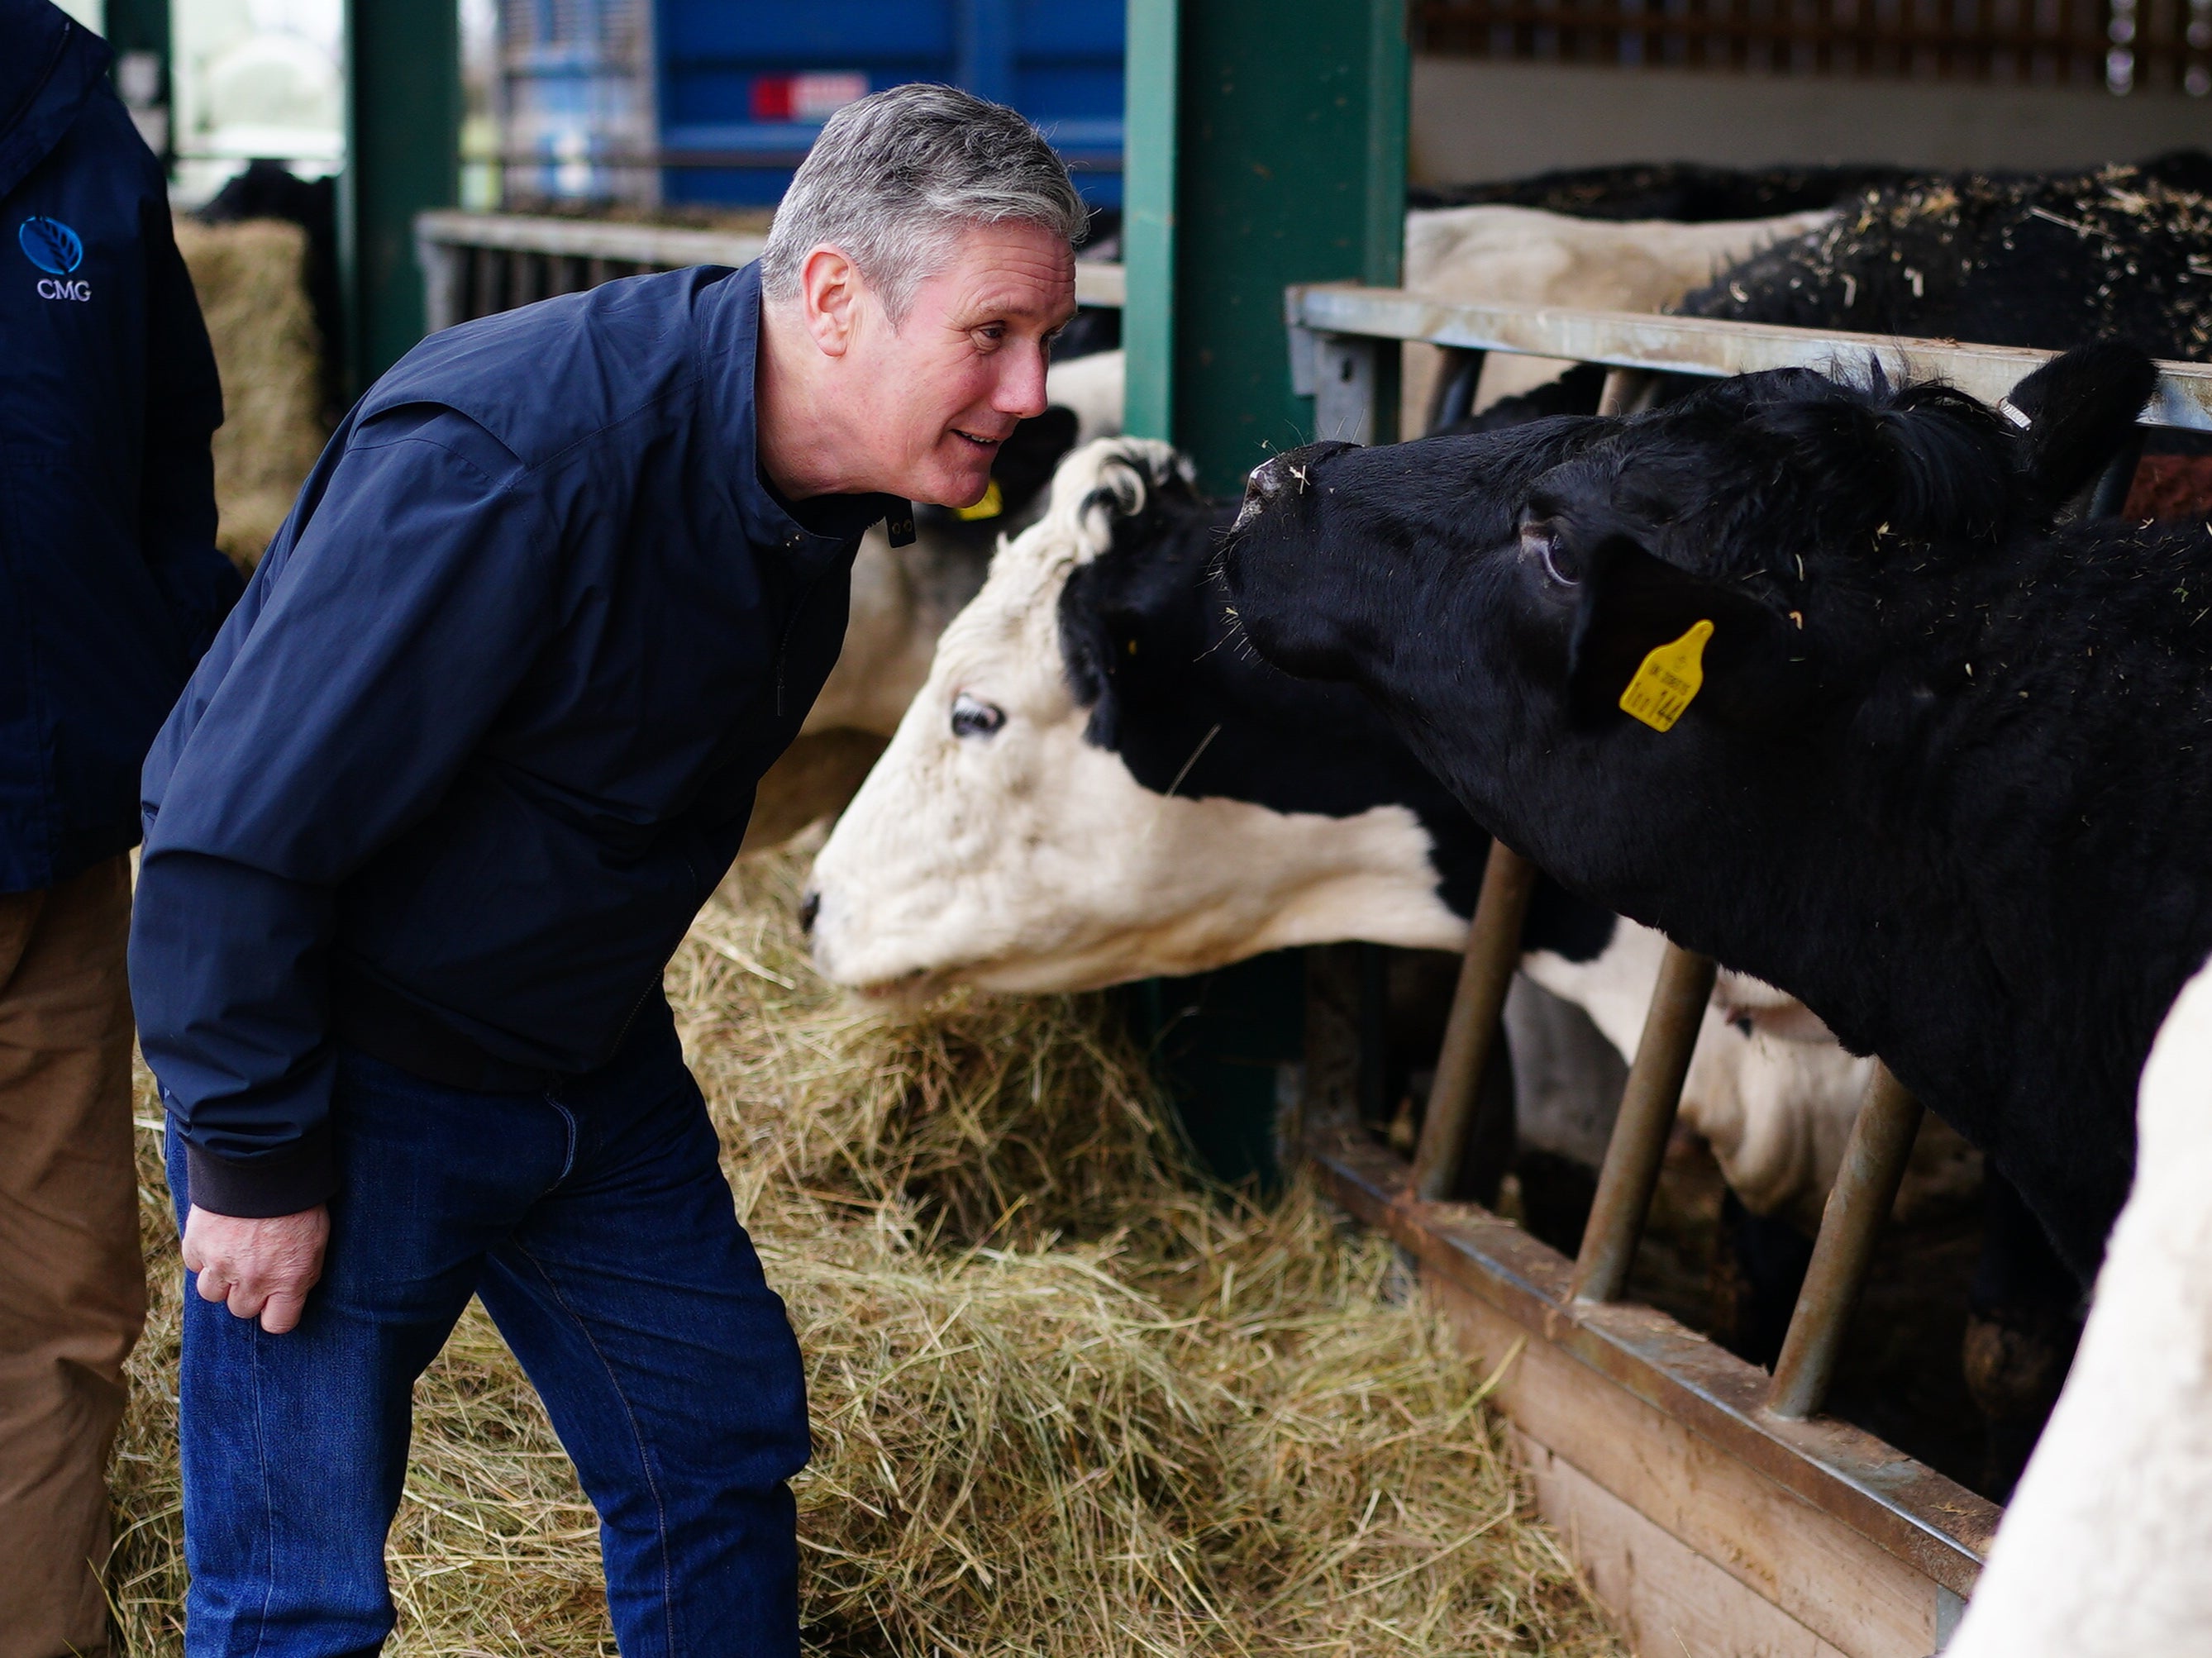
x=438 y=807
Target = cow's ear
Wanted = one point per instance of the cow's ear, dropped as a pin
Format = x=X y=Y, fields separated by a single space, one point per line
x=2077 y=411
x=1751 y=667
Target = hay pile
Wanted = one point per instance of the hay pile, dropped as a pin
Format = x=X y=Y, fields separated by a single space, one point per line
x=1063 y=1402
x=251 y=282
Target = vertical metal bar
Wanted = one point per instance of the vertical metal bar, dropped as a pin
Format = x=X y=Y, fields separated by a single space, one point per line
x=1859 y=1202
x=1473 y=1031
x=2108 y=497
x=1625 y=391
x=441 y=283
x=487 y=281
x=1346 y=387
x=1648 y=1105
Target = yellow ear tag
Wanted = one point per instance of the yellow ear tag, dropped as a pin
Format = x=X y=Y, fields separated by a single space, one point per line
x=991 y=505
x=1669 y=680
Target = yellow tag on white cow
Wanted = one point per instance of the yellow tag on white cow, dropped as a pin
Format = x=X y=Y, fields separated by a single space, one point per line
x=991 y=505
x=1669 y=680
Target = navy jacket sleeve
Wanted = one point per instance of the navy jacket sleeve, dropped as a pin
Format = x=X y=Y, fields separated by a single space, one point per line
x=184 y=406
x=374 y=650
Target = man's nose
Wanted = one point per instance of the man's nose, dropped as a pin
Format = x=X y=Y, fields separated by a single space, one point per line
x=1020 y=389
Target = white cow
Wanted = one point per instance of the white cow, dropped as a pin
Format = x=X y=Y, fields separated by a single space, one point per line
x=2107 y=1549
x=1521 y=255
x=1003 y=841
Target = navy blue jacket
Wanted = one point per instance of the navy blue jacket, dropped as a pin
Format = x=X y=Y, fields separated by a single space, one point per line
x=110 y=583
x=484 y=731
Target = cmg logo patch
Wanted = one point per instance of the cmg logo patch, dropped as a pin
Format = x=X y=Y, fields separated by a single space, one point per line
x=51 y=244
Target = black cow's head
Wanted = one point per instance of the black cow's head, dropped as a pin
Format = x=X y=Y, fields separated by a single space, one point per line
x=1501 y=592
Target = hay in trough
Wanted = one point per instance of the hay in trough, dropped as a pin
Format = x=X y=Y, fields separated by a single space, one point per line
x=250 y=278
x=1064 y=1401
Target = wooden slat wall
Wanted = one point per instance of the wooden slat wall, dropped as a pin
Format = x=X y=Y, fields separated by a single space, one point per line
x=2121 y=44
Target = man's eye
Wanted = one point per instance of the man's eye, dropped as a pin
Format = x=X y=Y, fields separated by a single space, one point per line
x=1542 y=541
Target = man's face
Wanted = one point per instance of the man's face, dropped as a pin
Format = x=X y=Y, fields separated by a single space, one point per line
x=943 y=389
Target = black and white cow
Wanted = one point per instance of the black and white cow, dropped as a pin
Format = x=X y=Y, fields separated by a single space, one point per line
x=1097 y=784
x=1942 y=779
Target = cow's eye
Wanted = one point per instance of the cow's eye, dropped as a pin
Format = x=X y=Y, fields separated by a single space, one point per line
x=973 y=717
x=1542 y=541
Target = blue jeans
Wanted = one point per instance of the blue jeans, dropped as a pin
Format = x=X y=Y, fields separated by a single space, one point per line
x=594 y=1222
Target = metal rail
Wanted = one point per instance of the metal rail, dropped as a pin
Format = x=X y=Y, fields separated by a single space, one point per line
x=1472 y=1032
x=1647 y=1107
x=1858 y=1203
x=475 y=264
x=1355 y=320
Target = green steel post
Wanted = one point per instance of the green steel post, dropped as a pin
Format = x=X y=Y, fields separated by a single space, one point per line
x=141 y=26
x=1148 y=164
x=1289 y=166
x=1265 y=145
x=403 y=155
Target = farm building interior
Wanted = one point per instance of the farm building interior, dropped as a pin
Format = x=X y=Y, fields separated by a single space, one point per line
x=1296 y=1244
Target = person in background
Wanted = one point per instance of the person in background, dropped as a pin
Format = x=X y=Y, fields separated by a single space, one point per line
x=110 y=588
x=432 y=815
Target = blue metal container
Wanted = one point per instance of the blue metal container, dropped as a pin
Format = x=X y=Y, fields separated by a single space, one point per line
x=573 y=99
x=744 y=85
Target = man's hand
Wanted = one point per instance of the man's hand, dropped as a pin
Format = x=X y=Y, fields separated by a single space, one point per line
x=260 y=1268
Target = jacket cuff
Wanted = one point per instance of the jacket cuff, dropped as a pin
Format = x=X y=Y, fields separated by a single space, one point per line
x=282 y=1182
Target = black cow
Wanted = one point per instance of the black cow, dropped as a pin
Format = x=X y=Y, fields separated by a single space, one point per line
x=1941 y=781
x=1690 y=192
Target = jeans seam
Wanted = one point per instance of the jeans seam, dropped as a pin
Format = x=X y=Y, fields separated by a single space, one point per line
x=637 y=1437
x=568 y=1153
x=267 y=1496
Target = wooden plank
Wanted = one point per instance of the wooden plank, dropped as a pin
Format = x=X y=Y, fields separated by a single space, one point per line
x=1932 y=1524
x=1668 y=1598
x=1808 y=1565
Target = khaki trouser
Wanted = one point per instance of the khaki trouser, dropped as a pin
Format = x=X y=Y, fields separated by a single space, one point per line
x=72 y=1282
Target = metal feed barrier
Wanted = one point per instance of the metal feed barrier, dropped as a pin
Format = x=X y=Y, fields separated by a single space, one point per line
x=1711 y=1504
x=476 y=264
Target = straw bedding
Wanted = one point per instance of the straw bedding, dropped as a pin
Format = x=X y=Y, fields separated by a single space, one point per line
x=1064 y=1400
x=253 y=291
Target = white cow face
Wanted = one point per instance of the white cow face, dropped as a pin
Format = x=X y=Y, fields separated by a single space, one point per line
x=994 y=845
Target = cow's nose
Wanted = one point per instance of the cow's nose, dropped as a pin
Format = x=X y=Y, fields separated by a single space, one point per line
x=1266 y=483
x=809 y=908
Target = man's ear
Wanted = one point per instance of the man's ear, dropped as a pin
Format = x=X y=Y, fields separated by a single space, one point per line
x=2079 y=409
x=829 y=296
x=1758 y=674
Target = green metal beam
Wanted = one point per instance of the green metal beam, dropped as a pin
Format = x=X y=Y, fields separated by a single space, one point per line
x=403 y=155
x=140 y=26
x=1148 y=173
x=1265 y=146
x=1282 y=160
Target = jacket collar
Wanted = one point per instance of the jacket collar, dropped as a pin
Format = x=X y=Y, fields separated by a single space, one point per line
x=729 y=356
x=49 y=67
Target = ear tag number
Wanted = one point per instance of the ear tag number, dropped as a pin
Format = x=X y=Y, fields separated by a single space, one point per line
x=1669 y=681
